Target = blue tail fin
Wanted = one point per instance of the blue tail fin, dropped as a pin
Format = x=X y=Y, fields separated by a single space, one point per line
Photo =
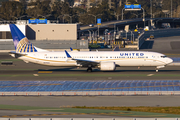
x=21 y=43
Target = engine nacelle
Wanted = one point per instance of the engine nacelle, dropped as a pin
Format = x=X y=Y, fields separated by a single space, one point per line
x=107 y=66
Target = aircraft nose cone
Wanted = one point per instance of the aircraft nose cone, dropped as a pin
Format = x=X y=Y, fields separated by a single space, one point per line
x=170 y=60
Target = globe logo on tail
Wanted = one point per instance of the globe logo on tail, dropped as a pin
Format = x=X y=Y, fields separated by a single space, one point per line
x=25 y=46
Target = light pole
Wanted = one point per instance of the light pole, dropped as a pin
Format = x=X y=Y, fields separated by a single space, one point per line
x=95 y=34
x=117 y=15
x=114 y=31
x=171 y=8
x=95 y=16
x=143 y=17
x=92 y=35
x=122 y=14
x=70 y=19
x=89 y=35
x=151 y=8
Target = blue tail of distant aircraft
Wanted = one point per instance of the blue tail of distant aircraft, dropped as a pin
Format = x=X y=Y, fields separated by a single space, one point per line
x=21 y=43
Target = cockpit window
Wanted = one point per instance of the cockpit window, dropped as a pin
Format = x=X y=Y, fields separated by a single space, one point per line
x=163 y=56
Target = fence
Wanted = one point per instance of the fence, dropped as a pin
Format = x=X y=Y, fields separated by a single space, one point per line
x=91 y=93
x=49 y=44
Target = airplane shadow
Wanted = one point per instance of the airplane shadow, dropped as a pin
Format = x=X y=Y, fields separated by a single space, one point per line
x=59 y=69
x=141 y=71
x=72 y=69
x=147 y=44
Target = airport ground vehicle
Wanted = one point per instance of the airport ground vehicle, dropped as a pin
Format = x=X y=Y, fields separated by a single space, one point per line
x=91 y=25
x=104 y=60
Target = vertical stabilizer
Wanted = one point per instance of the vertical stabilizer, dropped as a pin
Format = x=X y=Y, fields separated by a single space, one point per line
x=21 y=43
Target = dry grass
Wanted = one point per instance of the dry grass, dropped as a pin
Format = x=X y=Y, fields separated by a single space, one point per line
x=169 y=110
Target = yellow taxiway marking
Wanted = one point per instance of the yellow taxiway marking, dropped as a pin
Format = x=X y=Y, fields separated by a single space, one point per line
x=150 y=74
x=44 y=71
x=35 y=74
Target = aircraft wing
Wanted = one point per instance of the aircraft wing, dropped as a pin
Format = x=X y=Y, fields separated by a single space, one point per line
x=84 y=63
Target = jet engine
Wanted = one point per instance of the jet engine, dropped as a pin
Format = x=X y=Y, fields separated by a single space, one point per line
x=107 y=66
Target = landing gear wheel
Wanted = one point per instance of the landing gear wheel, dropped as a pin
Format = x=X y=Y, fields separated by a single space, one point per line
x=89 y=69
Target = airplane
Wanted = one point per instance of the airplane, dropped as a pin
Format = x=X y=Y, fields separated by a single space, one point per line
x=103 y=60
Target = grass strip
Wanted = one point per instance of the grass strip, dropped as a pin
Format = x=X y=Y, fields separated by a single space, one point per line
x=119 y=111
x=168 y=110
x=10 y=60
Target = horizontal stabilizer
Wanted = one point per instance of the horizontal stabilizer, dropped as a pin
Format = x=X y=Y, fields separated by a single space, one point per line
x=19 y=54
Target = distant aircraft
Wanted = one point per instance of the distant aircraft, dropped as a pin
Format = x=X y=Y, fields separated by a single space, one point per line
x=104 y=60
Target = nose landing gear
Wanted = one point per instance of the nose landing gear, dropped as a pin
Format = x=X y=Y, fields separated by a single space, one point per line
x=158 y=67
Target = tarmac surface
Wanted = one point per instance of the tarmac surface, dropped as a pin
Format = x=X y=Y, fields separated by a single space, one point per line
x=20 y=70
x=23 y=71
x=65 y=101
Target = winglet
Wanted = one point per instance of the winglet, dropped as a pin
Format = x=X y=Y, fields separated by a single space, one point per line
x=71 y=49
x=67 y=54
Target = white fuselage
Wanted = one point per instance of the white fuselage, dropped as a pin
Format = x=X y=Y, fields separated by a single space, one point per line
x=121 y=58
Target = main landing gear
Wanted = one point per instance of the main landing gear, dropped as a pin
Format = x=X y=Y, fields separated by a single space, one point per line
x=89 y=69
